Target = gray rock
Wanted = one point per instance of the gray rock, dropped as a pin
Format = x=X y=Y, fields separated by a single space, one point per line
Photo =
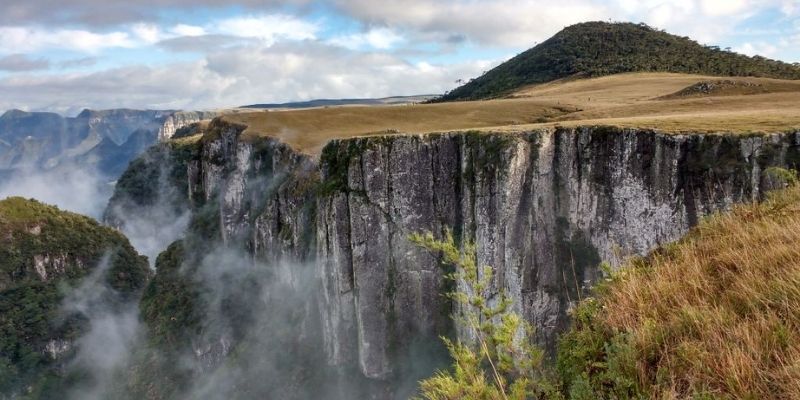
x=544 y=207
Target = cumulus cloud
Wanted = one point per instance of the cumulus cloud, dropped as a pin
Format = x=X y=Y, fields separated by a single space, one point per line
x=512 y=23
x=376 y=38
x=108 y=12
x=22 y=62
x=16 y=39
x=521 y=23
x=241 y=75
x=267 y=53
x=758 y=48
x=268 y=28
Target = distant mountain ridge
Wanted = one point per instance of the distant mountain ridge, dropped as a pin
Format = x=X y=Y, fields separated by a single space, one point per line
x=346 y=102
x=593 y=49
x=104 y=140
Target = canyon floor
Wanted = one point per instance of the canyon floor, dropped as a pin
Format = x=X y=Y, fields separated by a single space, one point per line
x=666 y=101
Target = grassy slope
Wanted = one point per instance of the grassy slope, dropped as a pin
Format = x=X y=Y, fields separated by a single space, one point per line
x=716 y=315
x=30 y=313
x=594 y=49
x=626 y=100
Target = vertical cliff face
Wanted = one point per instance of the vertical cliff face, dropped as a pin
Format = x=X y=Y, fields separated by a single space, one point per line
x=544 y=207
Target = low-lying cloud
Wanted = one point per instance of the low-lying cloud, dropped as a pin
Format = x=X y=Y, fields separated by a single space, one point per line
x=70 y=188
x=114 y=330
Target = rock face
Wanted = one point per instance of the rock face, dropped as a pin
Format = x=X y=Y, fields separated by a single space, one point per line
x=182 y=119
x=545 y=209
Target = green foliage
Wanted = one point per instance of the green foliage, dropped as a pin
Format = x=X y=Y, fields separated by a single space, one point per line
x=788 y=176
x=593 y=363
x=169 y=304
x=597 y=48
x=501 y=362
x=30 y=313
x=335 y=160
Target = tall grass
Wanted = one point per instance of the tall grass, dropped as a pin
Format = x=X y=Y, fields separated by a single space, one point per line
x=716 y=315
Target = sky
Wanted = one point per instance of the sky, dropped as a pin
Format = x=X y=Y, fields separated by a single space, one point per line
x=204 y=54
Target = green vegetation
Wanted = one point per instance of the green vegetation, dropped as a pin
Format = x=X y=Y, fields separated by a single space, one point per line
x=336 y=159
x=68 y=247
x=594 y=49
x=714 y=315
x=501 y=362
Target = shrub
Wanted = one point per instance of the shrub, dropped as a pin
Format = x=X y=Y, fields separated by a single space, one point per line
x=500 y=362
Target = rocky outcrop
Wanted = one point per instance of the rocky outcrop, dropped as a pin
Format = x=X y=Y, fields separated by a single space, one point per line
x=182 y=119
x=545 y=209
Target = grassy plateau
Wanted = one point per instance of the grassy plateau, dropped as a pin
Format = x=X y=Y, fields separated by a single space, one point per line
x=667 y=101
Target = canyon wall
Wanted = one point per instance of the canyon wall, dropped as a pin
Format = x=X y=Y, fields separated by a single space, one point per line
x=545 y=208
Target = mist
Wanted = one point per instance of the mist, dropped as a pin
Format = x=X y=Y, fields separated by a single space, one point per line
x=265 y=314
x=113 y=331
x=71 y=188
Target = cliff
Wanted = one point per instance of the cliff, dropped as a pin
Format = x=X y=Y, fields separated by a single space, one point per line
x=545 y=208
x=182 y=119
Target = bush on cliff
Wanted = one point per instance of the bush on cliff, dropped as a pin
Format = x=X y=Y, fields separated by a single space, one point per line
x=501 y=362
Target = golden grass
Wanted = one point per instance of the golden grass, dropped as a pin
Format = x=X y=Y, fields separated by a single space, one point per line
x=630 y=100
x=310 y=129
x=719 y=312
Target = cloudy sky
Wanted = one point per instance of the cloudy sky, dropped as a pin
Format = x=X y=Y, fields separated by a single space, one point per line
x=198 y=54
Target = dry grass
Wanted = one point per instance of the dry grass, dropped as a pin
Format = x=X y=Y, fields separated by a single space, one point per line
x=310 y=129
x=719 y=312
x=633 y=100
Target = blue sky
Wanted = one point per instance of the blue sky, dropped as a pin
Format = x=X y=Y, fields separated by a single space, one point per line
x=197 y=54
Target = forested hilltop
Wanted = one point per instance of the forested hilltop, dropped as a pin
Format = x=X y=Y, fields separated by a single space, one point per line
x=594 y=49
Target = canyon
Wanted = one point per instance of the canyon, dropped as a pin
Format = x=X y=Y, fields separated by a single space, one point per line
x=545 y=207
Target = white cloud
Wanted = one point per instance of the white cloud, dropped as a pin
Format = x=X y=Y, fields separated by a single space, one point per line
x=759 y=48
x=520 y=23
x=188 y=30
x=148 y=33
x=30 y=39
x=268 y=28
x=376 y=38
x=244 y=75
x=515 y=23
x=723 y=7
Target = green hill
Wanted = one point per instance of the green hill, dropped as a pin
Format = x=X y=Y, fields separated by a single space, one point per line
x=46 y=255
x=593 y=49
